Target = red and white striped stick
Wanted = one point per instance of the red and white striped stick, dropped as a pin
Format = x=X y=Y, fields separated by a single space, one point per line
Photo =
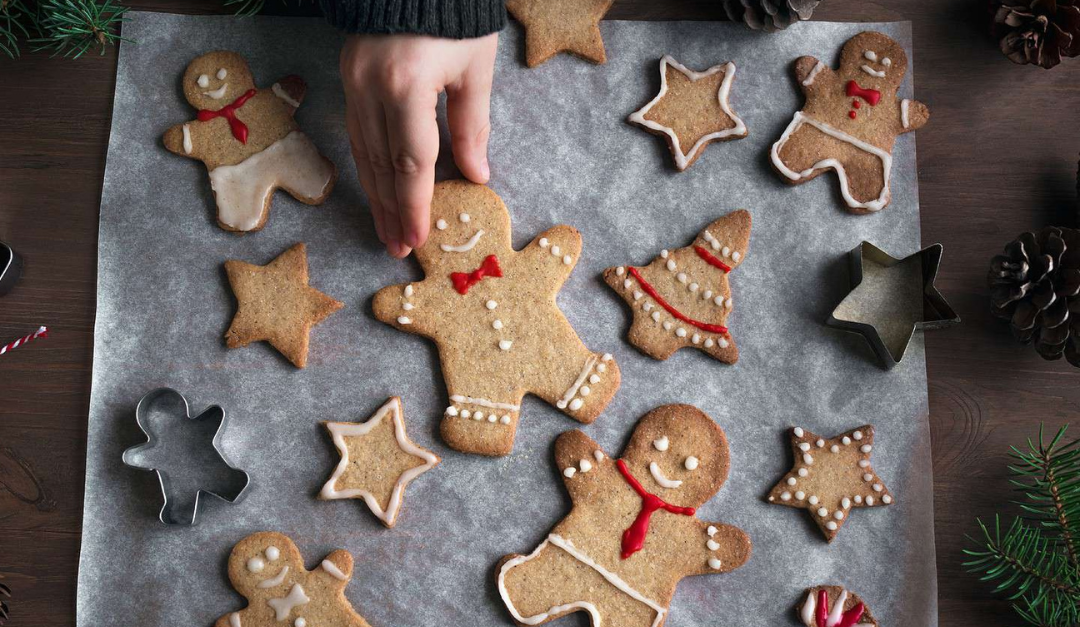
x=42 y=332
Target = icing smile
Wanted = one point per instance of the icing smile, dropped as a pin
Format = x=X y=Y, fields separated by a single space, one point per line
x=275 y=581
x=664 y=482
x=219 y=93
x=466 y=247
x=872 y=72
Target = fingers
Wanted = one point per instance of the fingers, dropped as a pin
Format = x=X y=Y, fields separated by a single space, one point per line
x=467 y=110
x=372 y=120
x=413 y=135
x=363 y=166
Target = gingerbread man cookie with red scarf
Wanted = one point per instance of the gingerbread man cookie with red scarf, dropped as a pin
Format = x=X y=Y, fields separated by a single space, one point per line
x=833 y=606
x=268 y=570
x=249 y=140
x=683 y=298
x=632 y=533
x=850 y=121
x=491 y=311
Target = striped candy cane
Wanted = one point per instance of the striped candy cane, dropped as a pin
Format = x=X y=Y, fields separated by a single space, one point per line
x=42 y=332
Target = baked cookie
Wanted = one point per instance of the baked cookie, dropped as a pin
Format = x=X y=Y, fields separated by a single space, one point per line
x=682 y=298
x=554 y=26
x=268 y=570
x=491 y=310
x=632 y=533
x=831 y=477
x=275 y=303
x=249 y=141
x=850 y=121
x=378 y=461
x=833 y=606
x=692 y=110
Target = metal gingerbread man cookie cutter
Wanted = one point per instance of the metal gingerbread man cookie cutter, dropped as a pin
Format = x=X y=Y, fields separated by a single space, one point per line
x=185 y=453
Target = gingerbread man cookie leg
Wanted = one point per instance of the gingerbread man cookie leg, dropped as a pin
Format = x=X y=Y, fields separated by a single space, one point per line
x=480 y=424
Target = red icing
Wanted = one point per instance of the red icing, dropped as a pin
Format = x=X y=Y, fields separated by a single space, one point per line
x=711 y=260
x=856 y=104
x=847 y=619
x=872 y=96
x=633 y=538
x=463 y=281
x=821 y=615
x=711 y=328
x=851 y=114
x=239 y=129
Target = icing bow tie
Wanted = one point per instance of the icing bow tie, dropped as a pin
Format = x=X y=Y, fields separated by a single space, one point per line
x=633 y=538
x=239 y=129
x=872 y=96
x=464 y=280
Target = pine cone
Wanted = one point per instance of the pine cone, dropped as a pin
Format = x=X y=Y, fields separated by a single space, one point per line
x=1038 y=31
x=1035 y=285
x=769 y=15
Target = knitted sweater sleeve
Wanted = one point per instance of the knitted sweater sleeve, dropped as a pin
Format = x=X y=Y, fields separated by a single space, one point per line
x=456 y=19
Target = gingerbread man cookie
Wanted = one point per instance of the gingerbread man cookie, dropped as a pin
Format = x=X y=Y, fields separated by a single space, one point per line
x=632 y=533
x=682 y=298
x=491 y=310
x=833 y=606
x=850 y=121
x=249 y=141
x=268 y=570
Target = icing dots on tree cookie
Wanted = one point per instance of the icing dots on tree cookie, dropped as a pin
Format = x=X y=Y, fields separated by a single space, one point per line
x=554 y=26
x=683 y=297
x=378 y=461
x=276 y=304
x=833 y=606
x=831 y=477
x=249 y=141
x=268 y=570
x=491 y=310
x=632 y=533
x=692 y=110
x=850 y=121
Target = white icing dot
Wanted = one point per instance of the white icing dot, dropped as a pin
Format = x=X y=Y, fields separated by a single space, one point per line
x=785 y=496
x=203 y=81
x=681 y=332
x=407 y=306
x=803 y=472
x=691 y=463
x=712 y=545
x=857 y=435
x=693 y=287
x=664 y=253
x=886 y=499
x=813 y=500
x=722 y=343
x=464 y=217
x=820 y=443
x=877 y=487
x=569 y=472
x=620 y=271
x=839 y=515
x=661 y=444
x=831 y=526
x=594 y=379
x=491 y=304
x=727 y=303
x=709 y=343
x=505 y=419
x=726 y=252
x=585 y=465
x=804 y=446
x=627 y=283
x=791 y=481
x=465 y=413
x=715 y=564
x=221 y=74
x=845 y=502
x=858 y=499
x=807 y=458
x=585 y=390
x=556 y=251
x=735 y=256
x=681 y=277
x=798 y=432
x=404 y=320
x=711 y=530
x=638 y=295
x=822 y=512
x=599 y=455
x=272 y=553
x=655 y=316
x=800 y=495
x=544 y=243
x=671 y=265
x=865 y=448
x=567 y=259
x=441 y=224
x=715 y=244
x=646 y=306
x=478 y=415
x=561 y=404
x=707 y=294
x=492 y=417
x=869 y=500
x=497 y=324
x=868 y=477
x=696 y=339
x=576 y=404
x=668 y=325
x=719 y=301
x=835 y=448
x=256 y=564
x=505 y=345
x=864 y=463
x=408 y=290
x=451 y=411
x=300 y=622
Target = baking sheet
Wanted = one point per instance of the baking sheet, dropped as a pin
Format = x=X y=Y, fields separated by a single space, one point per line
x=561 y=153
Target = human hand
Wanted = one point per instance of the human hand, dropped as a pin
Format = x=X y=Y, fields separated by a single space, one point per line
x=392 y=84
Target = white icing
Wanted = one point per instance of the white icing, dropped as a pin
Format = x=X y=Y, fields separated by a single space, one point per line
x=804 y=446
x=221 y=74
x=868 y=477
x=791 y=481
x=800 y=495
x=831 y=526
x=234 y=619
x=441 y=224
x=837 y=610
x=798 y=432
x=569 y=472
x=878 y=487
x=905 y=116
x=187 y=140
x=870 y=55
x=300 y=622
x=466 y=247
x=872 y=72
x=808 y=458
x=340 y=430
x=256 y=564
x=203 y=81
x=886 y=161
x=691 y=463
x=683 y=158
x=808 y=609
x=404 y=320
x=284 y=606
x=407 y=306
x=671 y=265
x=839 y=515
x=567 y=259
x=483 y=402
x=869 y=500
x=886 y=62
x=573 y=391
x=857 y=435
x=576 y=404
x=272 y=553
x=408 y=290
x=544 y=243
x=598 y=455
x=275 y=580
x=711 y=530
x=661 y=444
x=813 y=74
x=835 y=448
x=505 y=345
x=332 y=568
x=715 y=563
x=242 y=190
x=845 y=440
x=491 y=305
x=803 y=472
x=464 y=217
x=219 y=93
x=822 y=512
x=658 y=476
x=505 y=419
x=785 y=496
x=866 y=448
x=886 y=499
x=280 y=92
x=497 y=324
x=813 y=500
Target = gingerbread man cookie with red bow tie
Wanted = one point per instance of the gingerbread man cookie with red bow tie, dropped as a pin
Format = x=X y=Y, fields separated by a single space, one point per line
x=632 y=533
x=850 y=121
x=249 y=140
x=491 y=311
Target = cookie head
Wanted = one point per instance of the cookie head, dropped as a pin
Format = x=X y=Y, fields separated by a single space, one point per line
x=678 y=453
x=261 y=558
x=216 y=79
x=874 y=60
x=469 y=222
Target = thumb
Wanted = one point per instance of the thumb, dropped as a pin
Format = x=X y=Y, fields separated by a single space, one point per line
x=467 y=114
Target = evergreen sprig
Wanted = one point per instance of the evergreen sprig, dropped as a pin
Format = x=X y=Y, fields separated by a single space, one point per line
x=14 y=18
x=72 y=27
x=1036 y=561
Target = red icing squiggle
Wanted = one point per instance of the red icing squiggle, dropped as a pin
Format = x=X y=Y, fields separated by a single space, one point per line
x=847 y=619
x=463 y=281
x=239 y=129
x=633 y=538
x=704 y=326
x=872 y=96
x=710 y=259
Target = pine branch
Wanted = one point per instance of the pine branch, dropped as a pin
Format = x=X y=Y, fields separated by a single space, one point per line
x=72 y=27
x=246 y=8
x=1049 y=476
x=14 y=17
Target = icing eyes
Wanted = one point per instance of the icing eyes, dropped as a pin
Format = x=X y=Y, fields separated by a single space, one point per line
x=691 y=463
x=886 y=62
x=870 y=55
x=464 y=217
x=257 y=564
x=272 y=553
x=204 y=80
x=441 y=224
x=221 y=74
x=661 y=444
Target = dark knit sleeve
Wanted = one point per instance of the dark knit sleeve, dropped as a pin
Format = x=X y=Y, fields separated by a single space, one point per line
x=441 y=18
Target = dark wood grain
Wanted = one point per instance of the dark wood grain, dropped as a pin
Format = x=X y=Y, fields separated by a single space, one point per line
x=999 y=157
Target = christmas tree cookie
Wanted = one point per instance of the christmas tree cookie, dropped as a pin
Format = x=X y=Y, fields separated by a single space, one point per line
x=683 y=298
x=249 y=141
x=632 y=533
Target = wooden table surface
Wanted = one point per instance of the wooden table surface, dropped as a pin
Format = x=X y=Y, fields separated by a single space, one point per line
x=999 y=157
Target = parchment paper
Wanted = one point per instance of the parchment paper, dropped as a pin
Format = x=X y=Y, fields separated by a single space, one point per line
x=560 y=153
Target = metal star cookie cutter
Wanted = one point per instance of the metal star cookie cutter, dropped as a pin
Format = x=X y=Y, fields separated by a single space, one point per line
x=10 y=268
x=891 y=299
x=185 y=470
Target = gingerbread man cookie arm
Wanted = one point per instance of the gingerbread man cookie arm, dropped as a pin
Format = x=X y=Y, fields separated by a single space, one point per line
x=913 y=115
x=813 y=74
x=291 y=90
x=183 y=139
x=397 y=306
x=554 y=253
x=581 y=462
x=719 y=548
x=336 y=568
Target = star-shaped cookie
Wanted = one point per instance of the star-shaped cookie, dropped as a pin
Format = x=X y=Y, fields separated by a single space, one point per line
x=275 y=304
x=692 y=110
x=378 y=461
x=554 y=26
x=831 y=477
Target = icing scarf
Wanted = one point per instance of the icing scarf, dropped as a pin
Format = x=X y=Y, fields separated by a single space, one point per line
x=633 y=538
x=239 y=129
